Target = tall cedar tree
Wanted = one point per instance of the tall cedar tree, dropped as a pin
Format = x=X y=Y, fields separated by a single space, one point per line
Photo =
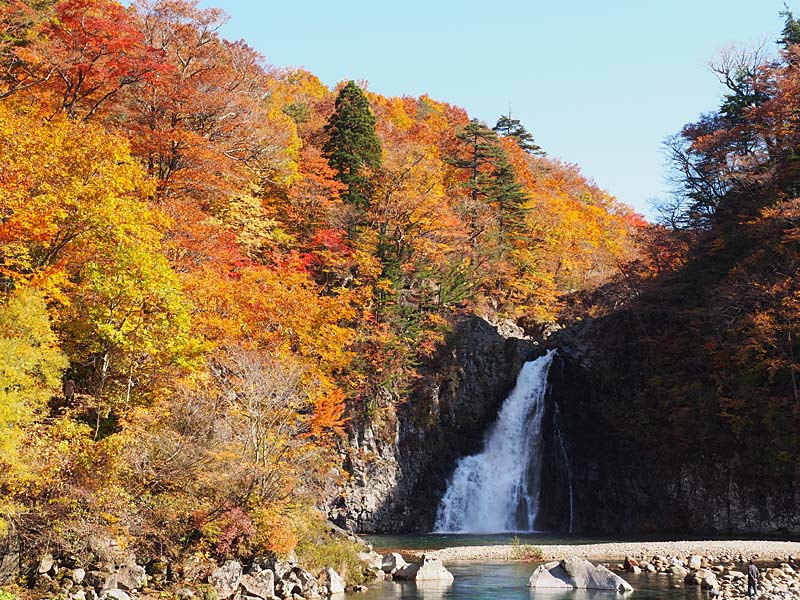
x=492 y=178
x=514 y=129
x=509 y=198
x=481 y=150
x=353 y=148
x=791 y=29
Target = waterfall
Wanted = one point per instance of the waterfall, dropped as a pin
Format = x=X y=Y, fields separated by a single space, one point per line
x=498 y=490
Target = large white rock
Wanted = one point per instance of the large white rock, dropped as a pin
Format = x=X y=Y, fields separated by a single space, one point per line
x=226 y=578
x=576 y=573
x=550 y=575
x=677 y=562
x=429 y=568
x=432 y=569
x=132 y=577
x=371 y=559
x=260 y=584
x=46 y=563
x=392 y=562
x=309 y=583
x=695 y=562
x=709 y=583
x=333 y=581
x=78 y=575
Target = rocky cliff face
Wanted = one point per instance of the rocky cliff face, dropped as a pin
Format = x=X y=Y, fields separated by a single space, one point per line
x=398 y=468
x=596 y=477
x=620 y=487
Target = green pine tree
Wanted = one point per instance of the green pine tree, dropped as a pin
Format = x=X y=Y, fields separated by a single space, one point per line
x=508 y=127
x=481 y=150
x=353 y=148
x=791 y=28
x=492 y=178
x=509 y=198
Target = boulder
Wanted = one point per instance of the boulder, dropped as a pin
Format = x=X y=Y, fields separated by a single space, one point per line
x=577 y=573
x=695 y=562
x=776 y=574
x=692 y=579
x=392 y=562
x=630 y=563
x=406 y=572
x=432 y=569
x=333 y=582
x=226 y=578
x=735 y=575
x=78 y=575
x=309 y=583
x=709 y=582
x=550 y=575
x=371 y=559
x=677 y=562
x=261 y=584
x=288 y=586
x=130 y=577
x=96 y=579
x=677 y=571
x=280 y=568
x=46 y=564
x=429 y=568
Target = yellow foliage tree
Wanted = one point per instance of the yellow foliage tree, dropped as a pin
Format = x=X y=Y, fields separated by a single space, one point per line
x=30 y=370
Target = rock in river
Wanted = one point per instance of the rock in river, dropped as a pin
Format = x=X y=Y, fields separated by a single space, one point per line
x=392 y=562
x=429 y=568
x=576 y=573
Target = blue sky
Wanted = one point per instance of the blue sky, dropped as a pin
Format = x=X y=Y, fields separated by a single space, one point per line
x=598 y=83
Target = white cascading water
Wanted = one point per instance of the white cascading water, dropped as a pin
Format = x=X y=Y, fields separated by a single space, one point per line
x=498 y=490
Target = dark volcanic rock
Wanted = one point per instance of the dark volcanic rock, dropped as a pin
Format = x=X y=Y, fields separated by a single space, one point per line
x=619 y=486
x=399 y=468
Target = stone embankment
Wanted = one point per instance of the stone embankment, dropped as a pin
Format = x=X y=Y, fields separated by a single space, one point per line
x=199 y=578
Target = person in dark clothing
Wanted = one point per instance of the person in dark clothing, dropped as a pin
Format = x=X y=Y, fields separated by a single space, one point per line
x=752 y=579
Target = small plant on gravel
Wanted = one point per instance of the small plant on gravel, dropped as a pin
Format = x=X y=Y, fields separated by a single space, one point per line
x=525 y=552
x=6 y=595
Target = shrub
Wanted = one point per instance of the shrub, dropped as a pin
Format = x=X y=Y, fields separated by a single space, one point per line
x=320 y=547
x=525 y=552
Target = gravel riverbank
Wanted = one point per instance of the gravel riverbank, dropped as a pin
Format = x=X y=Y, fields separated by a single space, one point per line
x=766 y=550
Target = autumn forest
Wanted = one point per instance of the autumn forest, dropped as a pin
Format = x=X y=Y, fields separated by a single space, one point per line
x=211 y=269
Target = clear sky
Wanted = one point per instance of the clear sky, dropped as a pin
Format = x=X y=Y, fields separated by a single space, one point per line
x=598 y=82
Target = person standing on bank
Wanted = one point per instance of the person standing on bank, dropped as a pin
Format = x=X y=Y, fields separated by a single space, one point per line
x=752 y=579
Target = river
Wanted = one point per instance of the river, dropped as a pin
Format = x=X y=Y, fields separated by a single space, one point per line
x=508 y=581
